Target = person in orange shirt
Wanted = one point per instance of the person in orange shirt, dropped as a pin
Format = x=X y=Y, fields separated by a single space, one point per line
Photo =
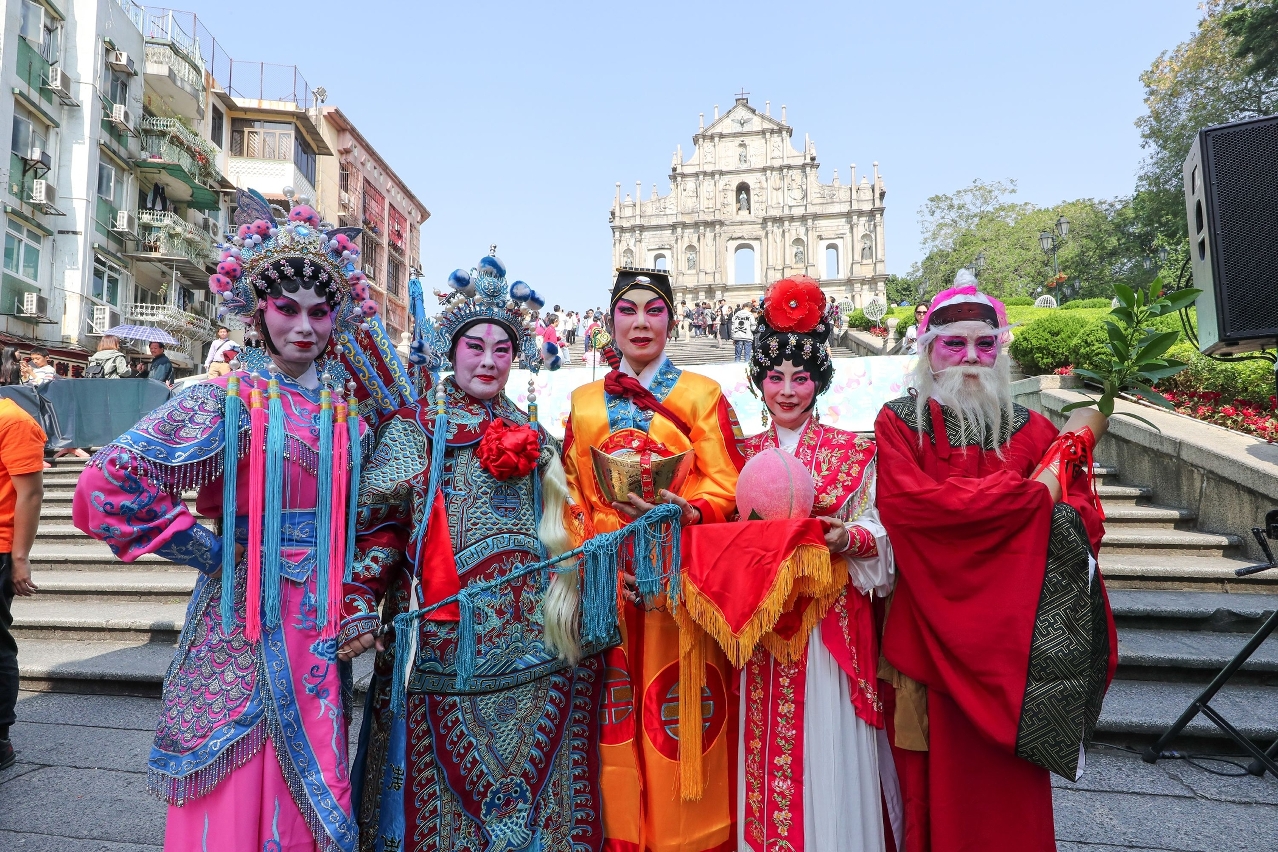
x=21 y=490
x=658 y=796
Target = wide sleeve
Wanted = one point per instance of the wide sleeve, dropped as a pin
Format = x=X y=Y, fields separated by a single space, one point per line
x=714 y=439
x=121 y=500
x=383 y=526
x=971 y=556
x=869 y=556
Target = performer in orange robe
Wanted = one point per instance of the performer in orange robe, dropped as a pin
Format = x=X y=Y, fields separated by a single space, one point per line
x=646 y=404
x=999 y=611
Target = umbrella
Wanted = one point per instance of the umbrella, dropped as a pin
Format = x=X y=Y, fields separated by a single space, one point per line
x=144 y=332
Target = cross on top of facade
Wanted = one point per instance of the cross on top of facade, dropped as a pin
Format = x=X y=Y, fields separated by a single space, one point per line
x=743 y=94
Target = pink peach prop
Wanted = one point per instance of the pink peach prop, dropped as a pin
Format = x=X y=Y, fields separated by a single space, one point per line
x=774 y=486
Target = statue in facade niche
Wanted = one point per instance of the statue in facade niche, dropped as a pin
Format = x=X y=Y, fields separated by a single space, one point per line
x=743 y=201
x=798 y=256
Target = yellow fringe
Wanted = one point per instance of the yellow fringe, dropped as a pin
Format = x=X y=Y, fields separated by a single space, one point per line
x=692 y=679
x=807 y=572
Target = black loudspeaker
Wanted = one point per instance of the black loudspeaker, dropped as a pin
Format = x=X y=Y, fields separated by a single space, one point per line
x=1231 y=199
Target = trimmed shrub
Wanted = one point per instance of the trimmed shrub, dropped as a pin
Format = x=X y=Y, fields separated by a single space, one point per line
x=1087 y=303
x=1252 y=381
x=1023 y=301
x=858 y=320
x=1091 y=347
x=1045 y=344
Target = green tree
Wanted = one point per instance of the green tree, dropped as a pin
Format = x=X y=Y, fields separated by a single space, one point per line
x=902 y=289
x=1201 y=82
x=1255 y=25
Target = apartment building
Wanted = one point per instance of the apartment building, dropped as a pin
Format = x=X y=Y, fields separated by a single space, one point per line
x=363 y=190
x=132 y=127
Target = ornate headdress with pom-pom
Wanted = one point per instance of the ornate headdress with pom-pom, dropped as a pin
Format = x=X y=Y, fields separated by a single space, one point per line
x=793 y=328
x=478 y=296
x=268 y=256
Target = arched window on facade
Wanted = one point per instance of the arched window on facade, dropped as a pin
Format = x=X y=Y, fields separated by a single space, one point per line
x=800 y=256
x=627 y=258
x=867 y=247
x=659 y=262
x=832 y=261
x=690 y=258
x=743 y=264
x=743 y=197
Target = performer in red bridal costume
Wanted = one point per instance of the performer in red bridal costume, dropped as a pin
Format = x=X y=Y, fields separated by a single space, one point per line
x=999 y=638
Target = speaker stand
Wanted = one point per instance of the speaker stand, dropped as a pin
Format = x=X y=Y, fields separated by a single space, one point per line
x=1261 y=760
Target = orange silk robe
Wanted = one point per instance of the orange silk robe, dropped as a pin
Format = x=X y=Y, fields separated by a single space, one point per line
x=639 y=732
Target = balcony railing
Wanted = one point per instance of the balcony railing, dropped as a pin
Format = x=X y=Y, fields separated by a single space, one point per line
x=174 y=142
x=171 y=235
x=173 y=320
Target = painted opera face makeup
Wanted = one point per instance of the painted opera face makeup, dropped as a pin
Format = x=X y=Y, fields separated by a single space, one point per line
x=482 y=360
x=640 y=324
x=965 y=345
x=788 y=392
x=299 y=324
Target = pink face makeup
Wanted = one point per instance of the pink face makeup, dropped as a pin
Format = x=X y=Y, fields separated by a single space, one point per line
x=481 y=363
x=971 y=344
x=788 y=392
x=640 y=322
x=299 y=325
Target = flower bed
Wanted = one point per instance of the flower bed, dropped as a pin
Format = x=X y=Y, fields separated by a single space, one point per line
x=1240 y=415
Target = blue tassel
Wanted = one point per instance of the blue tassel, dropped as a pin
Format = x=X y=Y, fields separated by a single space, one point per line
x=465 y=655
x=438 y=445
x=230 y=472
x=352 y=498
x=324 y=507
x=599 y=601
x=404 y=624
x=271 y=526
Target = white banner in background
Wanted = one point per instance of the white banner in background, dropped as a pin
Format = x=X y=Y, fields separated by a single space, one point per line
x=859 y=389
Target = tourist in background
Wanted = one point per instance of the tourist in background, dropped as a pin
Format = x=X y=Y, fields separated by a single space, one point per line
x=685 y=319
x=41 y=370
x=10 y=367
x=743 y=325
x=570 y=330
x=108 y=362
x=21 y=490
x=223 y=343
x=550 y=331
x=161 y=369
x=724 y=317
x=912 y=333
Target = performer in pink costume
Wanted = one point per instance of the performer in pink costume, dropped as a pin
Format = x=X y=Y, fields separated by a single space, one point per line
x=251 y=751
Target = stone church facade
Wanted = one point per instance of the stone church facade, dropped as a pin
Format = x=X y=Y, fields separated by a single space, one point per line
x=748 y=209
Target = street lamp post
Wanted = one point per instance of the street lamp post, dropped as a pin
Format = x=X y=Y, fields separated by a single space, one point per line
x=978 y=263
x=1162 y=258
x=1050 y=241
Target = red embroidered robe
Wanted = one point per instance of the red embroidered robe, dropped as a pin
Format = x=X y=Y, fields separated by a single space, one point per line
x=971 y=534
x=824 y=796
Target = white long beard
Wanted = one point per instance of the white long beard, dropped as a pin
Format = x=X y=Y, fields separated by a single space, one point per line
x=986 y=403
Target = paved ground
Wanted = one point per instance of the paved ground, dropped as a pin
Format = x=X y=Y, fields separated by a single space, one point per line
x=80 y=786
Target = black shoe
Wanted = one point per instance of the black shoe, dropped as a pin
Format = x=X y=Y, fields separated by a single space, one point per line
x=7 y=757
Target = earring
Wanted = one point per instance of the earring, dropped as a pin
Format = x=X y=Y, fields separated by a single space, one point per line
x=764 y=416
x=816 y=415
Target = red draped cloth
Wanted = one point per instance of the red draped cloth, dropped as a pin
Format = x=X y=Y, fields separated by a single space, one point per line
x=970 y=534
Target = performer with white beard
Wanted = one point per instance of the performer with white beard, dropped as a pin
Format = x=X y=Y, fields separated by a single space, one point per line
x=999 y=638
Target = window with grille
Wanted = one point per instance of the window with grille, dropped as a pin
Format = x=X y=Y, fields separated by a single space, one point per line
x=394 y=274
x=262 y=140
x=369 y=257
x=374 y=209
x=397 y=233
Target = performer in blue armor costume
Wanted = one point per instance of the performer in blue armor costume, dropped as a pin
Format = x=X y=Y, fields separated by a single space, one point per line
x=497 y=748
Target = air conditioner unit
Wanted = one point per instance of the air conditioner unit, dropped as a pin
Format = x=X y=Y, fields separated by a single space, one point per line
x=103 y=319
x=121 y=61
x=345 y=198
x=43 y=192
x=368 y=270
x=38 y=158
x=212 y=227
x=34 y=306
x=60 y=84
x=125 y=222
x=121 y=117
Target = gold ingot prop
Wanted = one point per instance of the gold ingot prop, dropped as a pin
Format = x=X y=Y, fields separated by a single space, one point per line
x=644 y=474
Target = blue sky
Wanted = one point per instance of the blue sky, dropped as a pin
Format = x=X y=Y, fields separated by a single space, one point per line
x=512 y=122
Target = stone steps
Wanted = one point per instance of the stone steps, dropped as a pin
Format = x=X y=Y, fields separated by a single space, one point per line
x=88 y=556
x=1144 y=709
x=134 y=622
x=94 y=667
x=1176 y=572
x=1121 y=495
x=1124 y=516
x=171 y=585
x=1186 y=611
x=1152 y=540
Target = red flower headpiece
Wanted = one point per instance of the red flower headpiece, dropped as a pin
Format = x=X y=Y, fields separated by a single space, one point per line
x=794 y=304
